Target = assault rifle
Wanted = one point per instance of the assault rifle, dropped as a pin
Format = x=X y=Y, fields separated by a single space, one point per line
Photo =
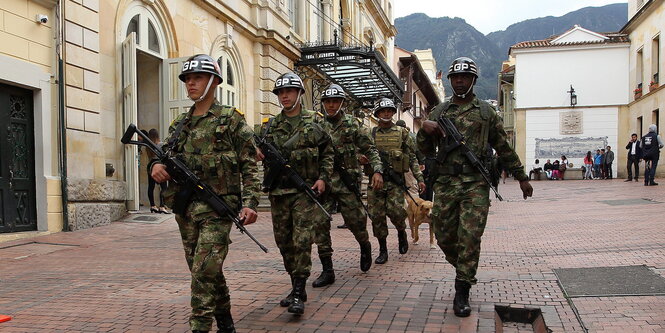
x=189 y=181
x=390 y=175
x=457 y=141
x=348 y=180
x=279 y=166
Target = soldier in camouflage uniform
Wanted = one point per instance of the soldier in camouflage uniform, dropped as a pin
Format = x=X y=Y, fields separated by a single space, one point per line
x=348 y=139
x=461 y=195
x=215 y=142
x=298 y=135
x=398 y=155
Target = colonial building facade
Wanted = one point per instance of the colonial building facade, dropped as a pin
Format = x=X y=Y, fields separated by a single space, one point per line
x=78 y=78
x=566 y=93
x=645 y=27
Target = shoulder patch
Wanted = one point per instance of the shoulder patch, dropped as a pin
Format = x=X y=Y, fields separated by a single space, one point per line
x=240 y=112
x=265 y=120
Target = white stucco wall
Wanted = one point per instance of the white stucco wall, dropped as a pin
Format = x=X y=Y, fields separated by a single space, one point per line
x=599 y=76
x=596 y=123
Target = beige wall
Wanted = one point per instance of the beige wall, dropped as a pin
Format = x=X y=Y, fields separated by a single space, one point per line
x=27 y=59
x=642 y=31
x=520 y=137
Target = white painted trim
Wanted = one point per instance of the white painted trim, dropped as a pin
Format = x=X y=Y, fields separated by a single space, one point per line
x=578 y=28
x=26 y=75
x=570 y=48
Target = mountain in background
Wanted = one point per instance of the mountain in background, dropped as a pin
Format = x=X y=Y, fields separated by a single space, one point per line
x=450 y=38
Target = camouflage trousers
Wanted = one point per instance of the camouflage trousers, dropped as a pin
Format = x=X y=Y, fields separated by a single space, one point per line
x=205 y=238
x=354 y=217
x=459 y=217
x=388 y=201
x=293 y=219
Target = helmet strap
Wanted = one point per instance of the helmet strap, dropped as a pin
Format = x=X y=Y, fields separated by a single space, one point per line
x=383 y=120
x=463 y=96
x=205 y=93
x=336 y=112
x=294 y=104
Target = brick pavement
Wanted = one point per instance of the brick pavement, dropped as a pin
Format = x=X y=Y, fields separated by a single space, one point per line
x=132 y=277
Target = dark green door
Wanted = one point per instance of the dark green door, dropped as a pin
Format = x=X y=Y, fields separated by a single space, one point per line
x=17 y=160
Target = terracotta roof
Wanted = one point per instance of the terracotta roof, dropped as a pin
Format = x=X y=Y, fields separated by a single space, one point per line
x=613 y=38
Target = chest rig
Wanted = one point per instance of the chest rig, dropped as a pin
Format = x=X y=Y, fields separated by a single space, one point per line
x=390 y=144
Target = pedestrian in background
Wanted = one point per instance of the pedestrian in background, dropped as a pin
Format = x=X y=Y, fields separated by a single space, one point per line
x=588 y=164
x=652 y=143
x=634 y=157
x=596 y=165
x=603 y=166
x=609 y=159
x=153 y=134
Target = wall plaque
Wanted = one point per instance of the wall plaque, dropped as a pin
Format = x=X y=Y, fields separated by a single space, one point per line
x=570 y=122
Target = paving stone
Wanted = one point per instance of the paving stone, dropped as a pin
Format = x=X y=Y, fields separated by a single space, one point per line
x=132 y=277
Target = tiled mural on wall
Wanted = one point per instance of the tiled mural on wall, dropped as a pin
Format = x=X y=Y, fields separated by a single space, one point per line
x=572 y=147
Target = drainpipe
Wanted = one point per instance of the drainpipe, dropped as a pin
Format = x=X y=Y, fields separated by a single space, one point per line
x=62 y=132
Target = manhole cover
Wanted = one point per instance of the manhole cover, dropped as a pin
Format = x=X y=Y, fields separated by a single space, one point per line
x=610 y=281
x=147 y=218
x=629 y=202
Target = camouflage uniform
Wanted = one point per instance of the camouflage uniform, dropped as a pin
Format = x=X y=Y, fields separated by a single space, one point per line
x=306 y=146
x=390 y=199
x=461 y=195
x=218 y=148
x=349 y=139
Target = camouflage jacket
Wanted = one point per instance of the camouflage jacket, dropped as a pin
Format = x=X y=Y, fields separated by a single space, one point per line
x=219 y=148
x=474 y=124
x=350 y=139
x=305 y=145
x=407 y=148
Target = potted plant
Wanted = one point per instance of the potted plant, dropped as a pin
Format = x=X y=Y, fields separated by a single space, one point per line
x=638 y=92
x=653 y=85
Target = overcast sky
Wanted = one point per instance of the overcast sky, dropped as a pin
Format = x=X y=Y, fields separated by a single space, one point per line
x=492 y=15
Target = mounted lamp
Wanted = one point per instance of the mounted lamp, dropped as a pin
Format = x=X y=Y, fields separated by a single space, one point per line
x=573 y=97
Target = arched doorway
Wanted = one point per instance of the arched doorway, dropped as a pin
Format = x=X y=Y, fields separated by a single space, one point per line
x=143 y=40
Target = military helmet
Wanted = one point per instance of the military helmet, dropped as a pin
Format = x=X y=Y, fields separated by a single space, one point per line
x=200 y=63
x=463 y=65
x=333 y=91
x=288 y=80
x=401 y=122
x=384 y=103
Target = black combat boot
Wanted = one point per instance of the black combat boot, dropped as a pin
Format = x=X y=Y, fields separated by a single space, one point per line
x=383 y=252
x=403 y=242
x=225 y=322
x=365 y=256
x=461 y=302
x=287 y=300
x=299 y=295
x=327 y=276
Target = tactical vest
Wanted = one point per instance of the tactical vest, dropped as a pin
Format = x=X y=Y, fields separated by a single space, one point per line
x=390 y=146
x=301 y=149
x=346 y=145
x=650 y=146
x=483 y=153
x=215 y=161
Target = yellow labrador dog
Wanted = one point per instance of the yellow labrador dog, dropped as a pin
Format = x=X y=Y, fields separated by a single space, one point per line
x=419 y=214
